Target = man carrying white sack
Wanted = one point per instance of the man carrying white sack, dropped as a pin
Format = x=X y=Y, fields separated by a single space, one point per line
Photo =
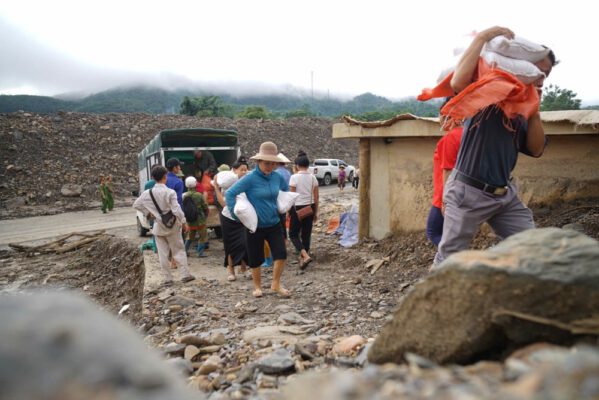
x=480 y=188
x=261 y=187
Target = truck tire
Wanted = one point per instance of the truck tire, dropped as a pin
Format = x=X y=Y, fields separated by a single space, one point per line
x=140 y=229
x=351 y=176
x=327 y=180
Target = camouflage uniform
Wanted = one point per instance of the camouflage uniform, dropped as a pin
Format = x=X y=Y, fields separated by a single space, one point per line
x=197 y=229
x=104 y=196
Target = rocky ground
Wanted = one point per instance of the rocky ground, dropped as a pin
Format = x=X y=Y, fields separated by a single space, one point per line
x=226 y=343
x=54 y=160
x=231 y=345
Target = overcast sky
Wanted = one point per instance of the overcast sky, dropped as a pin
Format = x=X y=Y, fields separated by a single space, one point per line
x=389 y=48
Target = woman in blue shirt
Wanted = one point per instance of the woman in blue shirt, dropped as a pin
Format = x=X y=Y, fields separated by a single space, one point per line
x=261 y=187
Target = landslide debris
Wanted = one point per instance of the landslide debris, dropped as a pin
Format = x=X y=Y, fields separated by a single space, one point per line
x=54 y=160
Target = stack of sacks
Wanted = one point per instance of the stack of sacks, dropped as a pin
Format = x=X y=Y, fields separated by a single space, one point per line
x=516 y=56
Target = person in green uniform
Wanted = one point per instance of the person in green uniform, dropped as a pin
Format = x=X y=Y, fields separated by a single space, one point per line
x=103 y=194
x=197 y=233
x=109 y=193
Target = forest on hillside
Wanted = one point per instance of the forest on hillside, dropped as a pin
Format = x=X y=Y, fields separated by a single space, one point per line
x=159 y=101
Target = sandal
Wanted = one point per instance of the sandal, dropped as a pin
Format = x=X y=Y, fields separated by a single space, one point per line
x=231 y=278
x=257 y=293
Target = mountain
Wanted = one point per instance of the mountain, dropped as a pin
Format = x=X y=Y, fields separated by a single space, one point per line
x=153 y=100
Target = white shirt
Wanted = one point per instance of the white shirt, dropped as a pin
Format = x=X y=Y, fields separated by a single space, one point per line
x=167 y=200
x=304 y=183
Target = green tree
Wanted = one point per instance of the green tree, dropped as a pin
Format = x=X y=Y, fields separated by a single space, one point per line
x=254 y=112
x=205 y=106
x=300 y=112
x=186 y=107
x=556 y=98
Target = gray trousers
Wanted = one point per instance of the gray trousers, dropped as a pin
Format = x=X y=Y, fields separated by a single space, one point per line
x=467 y=207
x=174 y=243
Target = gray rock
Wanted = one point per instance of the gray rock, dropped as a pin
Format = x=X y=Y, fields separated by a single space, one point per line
x=61 y=340
x=480 y=301
x=180 y=300
x=175 y=349
x=293 y=318
x=277 y=363
x=273 y=333
x=71 y=190
x=181 y=365
x=575 y=227
x=15 y=202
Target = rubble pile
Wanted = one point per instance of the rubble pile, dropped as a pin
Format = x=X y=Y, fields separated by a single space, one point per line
x=107 y=269
x=55 y=160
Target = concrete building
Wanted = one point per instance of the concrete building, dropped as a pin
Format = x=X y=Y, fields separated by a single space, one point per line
x=396 y=167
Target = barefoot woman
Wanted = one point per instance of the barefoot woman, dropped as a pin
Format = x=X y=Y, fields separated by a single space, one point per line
x=261 y=187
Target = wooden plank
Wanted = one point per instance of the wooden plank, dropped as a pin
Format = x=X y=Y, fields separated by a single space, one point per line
x=364 y=186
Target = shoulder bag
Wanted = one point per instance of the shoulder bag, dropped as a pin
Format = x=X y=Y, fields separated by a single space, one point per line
x=306 y=211
x=168 y=218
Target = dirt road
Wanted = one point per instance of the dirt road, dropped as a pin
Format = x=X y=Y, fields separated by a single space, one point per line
x=44 y=227
x=120 y=221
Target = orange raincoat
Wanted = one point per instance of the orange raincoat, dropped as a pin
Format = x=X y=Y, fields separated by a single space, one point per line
x=491 y=87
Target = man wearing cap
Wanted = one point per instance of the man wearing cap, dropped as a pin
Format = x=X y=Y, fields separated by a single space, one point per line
x=261 y=187
x=172 y=178
x=203 y=161
x=197 y=232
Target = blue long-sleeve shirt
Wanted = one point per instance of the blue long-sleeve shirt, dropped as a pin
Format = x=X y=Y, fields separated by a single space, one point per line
x=262 y=191
x=175 y=183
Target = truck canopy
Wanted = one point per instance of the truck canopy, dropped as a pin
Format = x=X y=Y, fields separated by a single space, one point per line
x=179 y=142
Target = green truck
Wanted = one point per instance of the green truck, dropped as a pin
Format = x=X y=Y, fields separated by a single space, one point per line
x=182 y=143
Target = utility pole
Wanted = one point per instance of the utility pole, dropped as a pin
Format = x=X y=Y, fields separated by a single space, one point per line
x=312 y=84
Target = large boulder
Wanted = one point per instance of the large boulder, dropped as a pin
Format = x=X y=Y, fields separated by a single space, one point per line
x=71 y=190
x=538 y=285
x=61 y=346
x=548 y=374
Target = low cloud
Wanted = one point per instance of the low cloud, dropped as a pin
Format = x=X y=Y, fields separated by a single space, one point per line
x=27 y=63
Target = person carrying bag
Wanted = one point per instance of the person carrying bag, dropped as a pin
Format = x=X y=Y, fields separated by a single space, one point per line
x=168 y=218
x=305 y=212
x=167 y=229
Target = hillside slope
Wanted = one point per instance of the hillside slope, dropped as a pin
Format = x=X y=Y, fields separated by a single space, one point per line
x=41 y=153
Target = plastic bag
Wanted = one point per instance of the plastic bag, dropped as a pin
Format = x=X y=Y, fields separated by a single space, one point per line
x=286 y=200
x=518 y=48
x=525 y=71
x=226 y=179
x=245 y=212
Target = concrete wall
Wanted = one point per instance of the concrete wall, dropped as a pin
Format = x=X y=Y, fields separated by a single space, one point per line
x=401 y=179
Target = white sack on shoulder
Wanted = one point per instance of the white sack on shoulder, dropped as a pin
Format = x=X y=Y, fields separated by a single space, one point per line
x=518 y=48
x=286 y=200
x=525 y=71
x=226 y=179
x=244 y=210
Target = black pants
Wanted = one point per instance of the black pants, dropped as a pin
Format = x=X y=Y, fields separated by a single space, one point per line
x=300 y=232
x=355 y=182
x=255 y=245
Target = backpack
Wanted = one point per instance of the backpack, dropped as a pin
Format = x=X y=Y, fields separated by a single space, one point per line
x=190 y=209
